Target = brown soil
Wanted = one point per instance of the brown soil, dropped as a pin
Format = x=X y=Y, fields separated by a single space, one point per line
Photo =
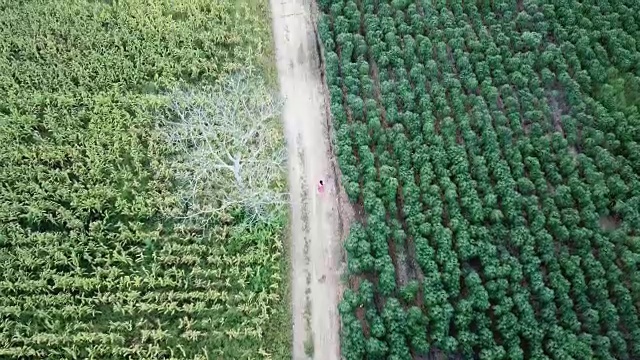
x=319 y=222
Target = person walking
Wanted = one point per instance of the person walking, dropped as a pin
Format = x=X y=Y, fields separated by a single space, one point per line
x=320 y=187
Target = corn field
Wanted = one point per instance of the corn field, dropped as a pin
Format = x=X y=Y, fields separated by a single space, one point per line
x=96 y=258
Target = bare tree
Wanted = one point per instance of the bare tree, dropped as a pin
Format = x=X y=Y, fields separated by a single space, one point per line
x=229 y=148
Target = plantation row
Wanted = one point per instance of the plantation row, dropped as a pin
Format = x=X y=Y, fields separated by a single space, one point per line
x=115 y=311
x=494 y=150
x=96 y=258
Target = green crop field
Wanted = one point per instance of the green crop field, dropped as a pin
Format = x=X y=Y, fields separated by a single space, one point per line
x=99 y=256
x=491 y=149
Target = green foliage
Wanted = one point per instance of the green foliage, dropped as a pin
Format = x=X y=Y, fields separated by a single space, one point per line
x=493 y=147
x=95 y=261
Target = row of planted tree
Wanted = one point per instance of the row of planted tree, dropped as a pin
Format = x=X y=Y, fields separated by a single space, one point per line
x=494 y=149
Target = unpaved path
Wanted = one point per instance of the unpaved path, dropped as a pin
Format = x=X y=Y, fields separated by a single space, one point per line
x=315 y=240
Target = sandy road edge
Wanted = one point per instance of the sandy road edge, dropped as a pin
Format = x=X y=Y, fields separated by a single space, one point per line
x=344 y=212
x=317 y=220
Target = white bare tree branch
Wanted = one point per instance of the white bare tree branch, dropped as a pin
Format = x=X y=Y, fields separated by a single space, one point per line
x=229 y=151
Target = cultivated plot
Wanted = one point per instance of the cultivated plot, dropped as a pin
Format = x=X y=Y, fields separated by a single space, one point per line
x=491 y=149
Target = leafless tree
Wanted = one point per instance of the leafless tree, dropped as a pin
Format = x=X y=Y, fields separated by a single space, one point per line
x=229 y=148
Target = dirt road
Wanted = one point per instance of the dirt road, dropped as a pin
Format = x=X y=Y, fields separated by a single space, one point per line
x=315 y=240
